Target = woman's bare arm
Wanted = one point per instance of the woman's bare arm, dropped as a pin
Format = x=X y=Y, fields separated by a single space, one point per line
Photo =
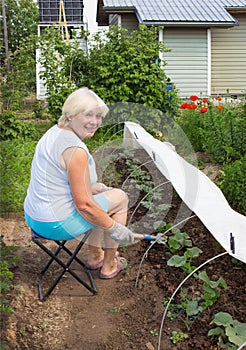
x=76 y=163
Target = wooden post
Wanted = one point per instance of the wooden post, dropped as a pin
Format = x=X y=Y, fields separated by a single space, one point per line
x=63 y=21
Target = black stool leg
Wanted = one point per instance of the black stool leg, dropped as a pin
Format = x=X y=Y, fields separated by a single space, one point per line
x=65 y=267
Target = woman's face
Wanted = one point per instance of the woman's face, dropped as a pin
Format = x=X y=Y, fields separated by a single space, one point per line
x=85 y=125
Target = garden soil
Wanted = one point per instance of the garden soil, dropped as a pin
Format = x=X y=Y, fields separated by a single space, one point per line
x=127 y=311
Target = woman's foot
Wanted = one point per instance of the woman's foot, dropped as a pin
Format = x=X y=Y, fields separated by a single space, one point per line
x=95 y=261
x=120 y=264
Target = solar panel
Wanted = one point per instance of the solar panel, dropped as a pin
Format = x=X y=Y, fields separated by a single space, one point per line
x=49 y=11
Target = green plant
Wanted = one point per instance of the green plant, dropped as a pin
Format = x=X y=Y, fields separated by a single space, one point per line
x=232 y=183
x=6 y=276
x=215 y=126
x=12 y=128
x=190 y=307
x=228 y=329
x=154 y=332
x=184 y=261
x=210 y=287
x=18 y=71
x=106 y=70
x=177 y=242
x=114 y=309
x=55 y=56
x=178 y=337
x=124 y=66
x=15 y=162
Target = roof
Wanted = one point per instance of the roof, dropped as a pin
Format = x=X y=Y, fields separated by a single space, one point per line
x=174 y=12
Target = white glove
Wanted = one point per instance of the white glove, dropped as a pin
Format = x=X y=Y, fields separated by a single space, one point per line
x=120 y=233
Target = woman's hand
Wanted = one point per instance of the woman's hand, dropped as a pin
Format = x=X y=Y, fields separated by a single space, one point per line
x=120 y=233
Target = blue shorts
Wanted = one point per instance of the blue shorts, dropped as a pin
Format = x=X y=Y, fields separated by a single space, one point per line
x=71 y=227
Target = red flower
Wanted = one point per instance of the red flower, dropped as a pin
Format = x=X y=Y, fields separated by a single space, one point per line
x=184 y=105
x=218 y=98
x=205 y=100
x=203 y=110
x=193 y=106
x=194 y=98
x=220 y=108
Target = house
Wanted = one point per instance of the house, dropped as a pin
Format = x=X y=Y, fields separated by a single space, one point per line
x=207 y=40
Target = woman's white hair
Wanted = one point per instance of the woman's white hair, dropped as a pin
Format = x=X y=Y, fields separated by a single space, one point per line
x=83 y=101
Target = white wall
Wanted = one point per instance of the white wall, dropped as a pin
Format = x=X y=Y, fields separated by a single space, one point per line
x=90 y=11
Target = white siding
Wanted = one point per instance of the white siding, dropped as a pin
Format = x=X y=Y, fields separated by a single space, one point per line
x=229 y=58
x=187 y=63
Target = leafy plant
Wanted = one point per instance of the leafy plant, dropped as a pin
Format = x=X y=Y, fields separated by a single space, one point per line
x=178 y=337
x=178 y=240
x=12 y=128
x=6 y=276
x=228 y=329
x=54 y=58
x=116 y=67
x=18 y=71
x=184 y=261
x=210 y=287
x=124 y=66
x=15 y=162
x=232 y=183
x=215 y=127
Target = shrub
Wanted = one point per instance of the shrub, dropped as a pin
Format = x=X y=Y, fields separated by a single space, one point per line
x=120 y=67
x=12 y=128
x=15 y=163
x=6 y=276
x=233 y=184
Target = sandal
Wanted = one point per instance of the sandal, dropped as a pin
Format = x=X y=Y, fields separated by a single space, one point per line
x=99 y=264
x=121 y=265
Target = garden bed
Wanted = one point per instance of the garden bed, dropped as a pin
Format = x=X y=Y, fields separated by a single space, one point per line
x=122 y=315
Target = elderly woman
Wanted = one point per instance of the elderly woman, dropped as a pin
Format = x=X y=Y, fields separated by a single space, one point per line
x=64 y=199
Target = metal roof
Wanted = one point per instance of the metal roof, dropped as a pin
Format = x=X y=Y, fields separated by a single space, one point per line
x=175 y=12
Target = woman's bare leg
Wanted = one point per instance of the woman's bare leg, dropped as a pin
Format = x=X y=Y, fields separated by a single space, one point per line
x=95 y=243
x=101 y=246
x=118 y=205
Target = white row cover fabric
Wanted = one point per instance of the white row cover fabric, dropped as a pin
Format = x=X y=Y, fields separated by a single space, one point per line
x=197 y=191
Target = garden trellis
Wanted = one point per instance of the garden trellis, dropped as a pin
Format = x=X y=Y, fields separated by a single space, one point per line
x=196 y=190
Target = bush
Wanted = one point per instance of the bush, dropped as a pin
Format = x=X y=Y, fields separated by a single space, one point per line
x=6 y=276
x=120 y=67
x=15 y=163
x=12 y=128
x=233 y=184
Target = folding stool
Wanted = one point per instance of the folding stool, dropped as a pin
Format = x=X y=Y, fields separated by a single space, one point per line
x=65 y=266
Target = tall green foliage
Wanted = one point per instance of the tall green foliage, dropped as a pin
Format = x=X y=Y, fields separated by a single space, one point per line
x=19 y=81
x=119 y=66
x=125 y=67
x=57 y=58
x=22 y=17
